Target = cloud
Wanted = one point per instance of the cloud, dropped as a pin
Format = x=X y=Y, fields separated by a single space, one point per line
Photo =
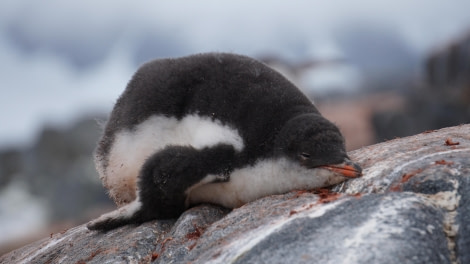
x=63 y=58
x=41 y=88
x=84 y=31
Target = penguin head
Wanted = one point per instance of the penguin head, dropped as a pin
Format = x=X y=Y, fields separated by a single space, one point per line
x=314 y=142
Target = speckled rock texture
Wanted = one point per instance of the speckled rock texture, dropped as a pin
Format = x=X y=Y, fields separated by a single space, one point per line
x=411 y=206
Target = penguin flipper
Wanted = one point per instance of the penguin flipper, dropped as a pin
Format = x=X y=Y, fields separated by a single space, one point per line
x=128 y=214
x=167 y=176
x=107 y=222
x=163 y=181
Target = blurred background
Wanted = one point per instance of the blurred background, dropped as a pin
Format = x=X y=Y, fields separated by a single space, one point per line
x=379 y=70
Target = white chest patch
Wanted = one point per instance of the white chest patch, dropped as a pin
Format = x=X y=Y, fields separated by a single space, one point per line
x=266 y=177
x=131 y=148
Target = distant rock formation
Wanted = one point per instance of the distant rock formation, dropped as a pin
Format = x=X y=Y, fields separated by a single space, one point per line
x=411 y=206
x=448 y=71
x=56 y=167
x=47 y=181
x=441 y=99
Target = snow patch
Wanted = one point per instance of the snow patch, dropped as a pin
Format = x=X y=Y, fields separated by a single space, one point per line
x=20 y=212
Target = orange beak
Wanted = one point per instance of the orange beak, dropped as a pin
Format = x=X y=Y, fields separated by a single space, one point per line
x=347 y=169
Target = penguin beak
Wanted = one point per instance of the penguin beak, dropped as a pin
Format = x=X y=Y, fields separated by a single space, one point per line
x=348 y=169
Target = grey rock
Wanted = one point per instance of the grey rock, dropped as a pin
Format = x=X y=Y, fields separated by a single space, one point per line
x=462 y=219
x=412 y=205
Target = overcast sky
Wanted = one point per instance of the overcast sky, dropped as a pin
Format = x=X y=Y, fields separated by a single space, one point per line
x=62 y=59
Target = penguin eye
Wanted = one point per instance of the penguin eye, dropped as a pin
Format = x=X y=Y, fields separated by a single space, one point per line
x=304 y=155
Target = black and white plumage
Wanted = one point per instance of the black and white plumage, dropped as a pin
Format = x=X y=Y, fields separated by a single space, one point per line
x=212 y=128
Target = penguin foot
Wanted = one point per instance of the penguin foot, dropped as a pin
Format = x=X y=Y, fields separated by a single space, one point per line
x=122 y=216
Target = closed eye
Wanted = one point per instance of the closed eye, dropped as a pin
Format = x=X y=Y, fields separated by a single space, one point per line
x=304 y=155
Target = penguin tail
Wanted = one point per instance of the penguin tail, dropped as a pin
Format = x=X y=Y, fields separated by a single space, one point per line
x=128 y=214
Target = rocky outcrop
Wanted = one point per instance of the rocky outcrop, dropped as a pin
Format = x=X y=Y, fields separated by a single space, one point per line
x=447 y=70
x=440 y=98
x=58 y=166
x=411 y=206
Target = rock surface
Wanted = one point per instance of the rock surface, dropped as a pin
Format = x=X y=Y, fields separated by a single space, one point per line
x=411 y=206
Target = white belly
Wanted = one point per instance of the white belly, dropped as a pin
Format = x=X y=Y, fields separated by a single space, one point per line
x=131 y=148
x=266 y=177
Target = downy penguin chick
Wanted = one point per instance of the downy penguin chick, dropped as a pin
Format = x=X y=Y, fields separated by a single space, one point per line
x=212 y=128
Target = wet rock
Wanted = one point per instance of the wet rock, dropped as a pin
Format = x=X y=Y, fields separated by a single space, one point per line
x=411 y=206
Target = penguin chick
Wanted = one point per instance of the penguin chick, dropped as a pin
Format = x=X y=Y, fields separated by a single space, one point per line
x=212 y=128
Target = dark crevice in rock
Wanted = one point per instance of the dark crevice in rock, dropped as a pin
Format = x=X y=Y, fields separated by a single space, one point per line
x=448 y=202
x=462 y=238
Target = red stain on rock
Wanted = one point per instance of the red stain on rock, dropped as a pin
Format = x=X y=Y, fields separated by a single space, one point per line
x=192 y=246
x=356 y=195
x=326 y=196
x=155 y=255
x=443 y=162
x=404 y=178
x=196 y=233
x=407 y=176
x=298 y=193
x=396 y=188
x=217 y=254
x=193 y=235
x=449 y=142
x=292 y=212
x=322 y=192
x=165 y=241
x=92 y=255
